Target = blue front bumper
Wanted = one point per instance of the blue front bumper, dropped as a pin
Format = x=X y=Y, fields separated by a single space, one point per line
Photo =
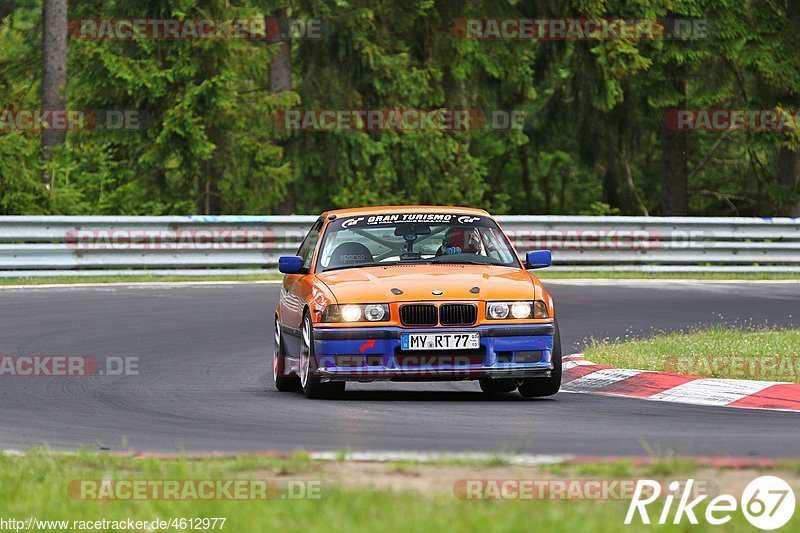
x=369 y=354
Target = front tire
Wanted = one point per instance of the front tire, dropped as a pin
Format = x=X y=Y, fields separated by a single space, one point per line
x=283 y=382
x=538 y=387
x=309 y=381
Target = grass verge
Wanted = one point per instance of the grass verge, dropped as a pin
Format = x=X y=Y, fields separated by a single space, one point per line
x=354 y=496
x=758 y=354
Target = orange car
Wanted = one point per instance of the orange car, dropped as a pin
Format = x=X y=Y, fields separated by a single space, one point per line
x=414 y=293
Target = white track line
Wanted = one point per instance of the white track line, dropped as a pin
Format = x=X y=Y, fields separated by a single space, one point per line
x=431 y=457
x=417 y=457
x=712 y=391
x=12 y=453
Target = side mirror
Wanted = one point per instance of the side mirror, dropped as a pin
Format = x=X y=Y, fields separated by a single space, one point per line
x=290 y=264
x=538 y=259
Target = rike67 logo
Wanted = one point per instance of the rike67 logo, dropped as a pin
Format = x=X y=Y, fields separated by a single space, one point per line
x=768 y=503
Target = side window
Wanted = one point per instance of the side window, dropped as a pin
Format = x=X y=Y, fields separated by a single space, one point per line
x=306 y=250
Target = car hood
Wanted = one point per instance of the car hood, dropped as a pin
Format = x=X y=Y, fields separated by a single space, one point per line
x=375 y=284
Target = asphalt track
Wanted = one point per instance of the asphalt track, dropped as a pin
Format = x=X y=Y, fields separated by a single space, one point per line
x=204 y=379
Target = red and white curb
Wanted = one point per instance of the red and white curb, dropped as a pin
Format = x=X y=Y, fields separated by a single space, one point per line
x=586 y=377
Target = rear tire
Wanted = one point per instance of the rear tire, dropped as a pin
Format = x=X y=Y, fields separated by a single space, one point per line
x=538 y=387
x=497 y=386
x=309 y=381
x=283 y=382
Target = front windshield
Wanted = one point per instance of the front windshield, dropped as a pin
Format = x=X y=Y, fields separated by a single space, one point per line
x=376 y=240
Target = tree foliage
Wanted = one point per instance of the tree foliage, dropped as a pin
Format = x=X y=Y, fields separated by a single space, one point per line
x=593 y=141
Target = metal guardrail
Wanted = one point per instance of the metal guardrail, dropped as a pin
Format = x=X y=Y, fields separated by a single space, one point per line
x=218 y=244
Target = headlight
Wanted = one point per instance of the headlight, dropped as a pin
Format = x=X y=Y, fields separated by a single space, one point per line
x=521 y=309
x=497 y=310
x=375 y=312
x=516 y=310
x=350 y=313
x=356 y=313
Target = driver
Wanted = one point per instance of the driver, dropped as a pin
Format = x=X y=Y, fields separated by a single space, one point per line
x=462 y=240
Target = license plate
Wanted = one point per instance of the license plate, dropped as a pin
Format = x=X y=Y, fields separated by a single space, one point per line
x=440 y=341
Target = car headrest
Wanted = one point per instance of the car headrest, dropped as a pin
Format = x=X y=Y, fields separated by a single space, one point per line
x=350 y=253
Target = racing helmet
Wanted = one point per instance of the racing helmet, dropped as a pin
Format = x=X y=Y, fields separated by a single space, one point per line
x=468 y=239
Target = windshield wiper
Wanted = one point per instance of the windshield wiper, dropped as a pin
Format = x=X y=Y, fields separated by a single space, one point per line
x=439 y=261
x=361 y=265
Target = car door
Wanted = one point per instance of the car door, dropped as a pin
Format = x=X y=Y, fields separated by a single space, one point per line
x=296 y=289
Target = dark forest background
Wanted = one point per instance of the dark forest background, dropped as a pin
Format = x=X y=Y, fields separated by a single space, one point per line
x=595 y=142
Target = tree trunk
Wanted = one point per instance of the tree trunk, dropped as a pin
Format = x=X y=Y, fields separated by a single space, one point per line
x=548 y=195
x=562 y=193
x=617 y=137
x=280 y=80
x=789 y=160
x=674 y=168
x=280 y=69
x=789 y=176
x=54 y=72
x=618 y=187
x=525 y=176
